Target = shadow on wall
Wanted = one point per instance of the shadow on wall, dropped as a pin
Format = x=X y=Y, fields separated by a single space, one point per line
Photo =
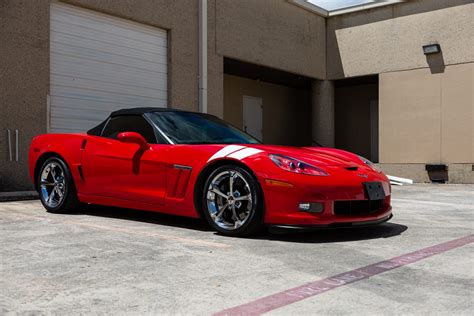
x=367 y=20
x=436 y=62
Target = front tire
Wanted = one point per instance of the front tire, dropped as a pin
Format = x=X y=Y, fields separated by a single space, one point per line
x=232 y=202
x=56 y=187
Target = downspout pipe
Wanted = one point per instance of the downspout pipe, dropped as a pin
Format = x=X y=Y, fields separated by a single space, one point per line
x=203 y=56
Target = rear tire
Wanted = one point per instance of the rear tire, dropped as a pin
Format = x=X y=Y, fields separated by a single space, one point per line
x=56 y=187
x=231 y=201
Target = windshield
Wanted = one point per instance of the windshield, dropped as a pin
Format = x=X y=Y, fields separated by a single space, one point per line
x=196 y=128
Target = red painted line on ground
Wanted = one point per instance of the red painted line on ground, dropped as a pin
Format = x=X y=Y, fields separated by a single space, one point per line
x=296 y=294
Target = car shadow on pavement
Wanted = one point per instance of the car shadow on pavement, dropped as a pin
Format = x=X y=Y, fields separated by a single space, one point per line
x=323 y=235
x=329 y=235
x=144 y=217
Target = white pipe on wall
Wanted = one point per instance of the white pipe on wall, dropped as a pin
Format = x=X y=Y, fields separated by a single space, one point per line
x=203 y=56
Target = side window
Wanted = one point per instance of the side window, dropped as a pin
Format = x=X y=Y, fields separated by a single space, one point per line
x=129 y=123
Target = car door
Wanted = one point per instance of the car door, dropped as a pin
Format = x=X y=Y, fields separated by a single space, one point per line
x=122 y=170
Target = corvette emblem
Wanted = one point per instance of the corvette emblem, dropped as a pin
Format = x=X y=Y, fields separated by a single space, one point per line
x=362 y=175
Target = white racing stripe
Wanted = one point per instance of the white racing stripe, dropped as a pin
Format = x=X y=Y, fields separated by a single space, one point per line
x=226 y=151
x=236 y=152
x=244 y=153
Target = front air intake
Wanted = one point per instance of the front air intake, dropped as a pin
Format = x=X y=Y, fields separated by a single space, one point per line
x=357 y=207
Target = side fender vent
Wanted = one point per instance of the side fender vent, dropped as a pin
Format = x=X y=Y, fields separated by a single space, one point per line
x=84 y=143
x=178 y=179
x=81 y=174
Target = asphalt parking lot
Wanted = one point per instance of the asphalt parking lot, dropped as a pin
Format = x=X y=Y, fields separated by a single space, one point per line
x=106 y=260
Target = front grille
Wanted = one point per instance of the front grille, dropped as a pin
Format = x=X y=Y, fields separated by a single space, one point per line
x=357 y=207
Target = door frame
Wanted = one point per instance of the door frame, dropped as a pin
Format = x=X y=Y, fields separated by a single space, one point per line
x=260 y=100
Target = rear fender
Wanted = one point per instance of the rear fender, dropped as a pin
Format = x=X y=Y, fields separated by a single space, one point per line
x=66 y=146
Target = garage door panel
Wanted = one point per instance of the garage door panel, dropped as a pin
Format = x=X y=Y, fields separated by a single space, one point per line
x=106 y=86
x=119 y=100
x=105 y=22
x=70 y=46
x=116 y=62
x=100 y=64
x=69 y=125
x=111 y=32
x=122 y=100
x=77 y=114
x=87 y=71
x=98 y=30
x=62 y=36
x=76 y=105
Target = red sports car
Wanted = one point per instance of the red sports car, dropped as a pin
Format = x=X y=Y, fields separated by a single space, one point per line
x=196 y=165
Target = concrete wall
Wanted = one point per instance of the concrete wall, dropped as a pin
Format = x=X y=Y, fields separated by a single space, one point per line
x=286 y=111
x=391 y=38
x=24 y=83
x=272 y=33
x=24 y=66
x=267 y=32
x=458 y=173
x=426 y=103
x=353 y=128
x=427 y=118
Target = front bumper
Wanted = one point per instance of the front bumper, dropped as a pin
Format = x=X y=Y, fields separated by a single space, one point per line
x=282 y=202
x=333 y=225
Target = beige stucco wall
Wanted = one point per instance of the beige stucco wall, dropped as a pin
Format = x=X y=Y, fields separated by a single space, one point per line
x=427 y=117
x=286 y=111
x=457 y=173
x=391 y=38
x=273 y=33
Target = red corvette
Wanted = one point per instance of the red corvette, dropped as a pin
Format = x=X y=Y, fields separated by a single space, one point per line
x=196 y=165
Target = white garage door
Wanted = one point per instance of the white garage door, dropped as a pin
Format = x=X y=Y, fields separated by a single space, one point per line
x=99 y=64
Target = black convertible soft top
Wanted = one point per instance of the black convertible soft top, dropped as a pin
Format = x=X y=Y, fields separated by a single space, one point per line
x=141 y=111
x=97 y=131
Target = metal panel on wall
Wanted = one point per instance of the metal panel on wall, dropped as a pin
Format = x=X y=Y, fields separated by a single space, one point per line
x=101 y=63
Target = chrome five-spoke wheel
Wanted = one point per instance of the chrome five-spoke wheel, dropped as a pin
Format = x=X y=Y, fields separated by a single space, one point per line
x=230 y=199
x=53 y=184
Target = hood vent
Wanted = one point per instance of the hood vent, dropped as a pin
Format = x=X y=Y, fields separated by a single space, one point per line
x=352 y=168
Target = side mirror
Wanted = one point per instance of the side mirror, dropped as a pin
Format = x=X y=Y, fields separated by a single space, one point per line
x=133 y=138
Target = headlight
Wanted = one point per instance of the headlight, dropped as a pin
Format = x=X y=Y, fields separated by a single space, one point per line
x=370 y=164
x=297 y=166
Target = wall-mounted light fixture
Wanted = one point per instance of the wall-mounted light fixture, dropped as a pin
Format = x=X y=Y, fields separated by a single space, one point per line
x=431 y=49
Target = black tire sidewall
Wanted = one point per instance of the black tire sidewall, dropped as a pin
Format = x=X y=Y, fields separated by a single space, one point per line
x=67 y=202
x=254 y=222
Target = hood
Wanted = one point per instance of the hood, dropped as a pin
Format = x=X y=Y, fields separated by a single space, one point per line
x=317 y=156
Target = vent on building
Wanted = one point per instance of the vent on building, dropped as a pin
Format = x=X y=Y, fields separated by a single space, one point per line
x=437 y=173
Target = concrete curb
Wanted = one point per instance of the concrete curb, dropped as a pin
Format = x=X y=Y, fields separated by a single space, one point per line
x=18 y=196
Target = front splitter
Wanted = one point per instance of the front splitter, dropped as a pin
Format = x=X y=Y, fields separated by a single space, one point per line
x=332 y=225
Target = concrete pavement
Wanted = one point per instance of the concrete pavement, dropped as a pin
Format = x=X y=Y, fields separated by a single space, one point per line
x=107 y=260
